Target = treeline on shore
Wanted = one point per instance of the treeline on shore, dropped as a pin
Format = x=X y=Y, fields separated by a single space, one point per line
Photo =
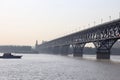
x=16 y=49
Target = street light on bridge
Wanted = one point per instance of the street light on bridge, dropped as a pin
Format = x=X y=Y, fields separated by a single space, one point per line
x=88 y=25
x=101 y=20
x=110 y=18
x=94 y=23
x=119 y=14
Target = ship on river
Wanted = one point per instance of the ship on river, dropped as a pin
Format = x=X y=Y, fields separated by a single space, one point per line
x=9 y=55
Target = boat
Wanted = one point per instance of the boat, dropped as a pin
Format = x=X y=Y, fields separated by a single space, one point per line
x=9 y=55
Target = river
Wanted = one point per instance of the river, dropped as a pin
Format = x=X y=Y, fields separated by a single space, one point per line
x=56 y=67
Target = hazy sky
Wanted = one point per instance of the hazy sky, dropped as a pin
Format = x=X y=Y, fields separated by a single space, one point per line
x=24 y=21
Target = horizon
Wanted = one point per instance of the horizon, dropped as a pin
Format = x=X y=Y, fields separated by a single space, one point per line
x=25 y=21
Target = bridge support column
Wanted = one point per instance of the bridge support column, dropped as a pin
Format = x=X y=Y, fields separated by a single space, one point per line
x=56 y=50
x=103 y=48
x=47 y=50
x=78 y=50
x=65 y=49
x=50 y=50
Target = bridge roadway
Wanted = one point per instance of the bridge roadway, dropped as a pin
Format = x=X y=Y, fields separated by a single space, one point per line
x=103 y=36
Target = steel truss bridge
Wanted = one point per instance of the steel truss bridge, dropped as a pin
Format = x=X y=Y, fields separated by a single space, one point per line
x=103 y=36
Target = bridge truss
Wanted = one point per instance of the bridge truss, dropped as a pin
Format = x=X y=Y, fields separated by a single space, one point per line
x=103 y=36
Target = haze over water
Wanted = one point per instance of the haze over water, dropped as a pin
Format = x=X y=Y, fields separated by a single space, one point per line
x=56 y=67
x=22 y=22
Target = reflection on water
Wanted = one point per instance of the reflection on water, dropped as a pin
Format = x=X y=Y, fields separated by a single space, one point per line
x=54 y=67
x=114 y=58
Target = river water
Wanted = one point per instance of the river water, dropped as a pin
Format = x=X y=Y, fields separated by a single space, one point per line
x=56 y=67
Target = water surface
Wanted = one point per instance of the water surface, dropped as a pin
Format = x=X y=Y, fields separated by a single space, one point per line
x=55 y=67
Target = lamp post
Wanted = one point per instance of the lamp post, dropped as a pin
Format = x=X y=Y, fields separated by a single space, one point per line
x=101 y=20
x=94 y=23
x=119 y=14
x=110 y=18
x=88 y=25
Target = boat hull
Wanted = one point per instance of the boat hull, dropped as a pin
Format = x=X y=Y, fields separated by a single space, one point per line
x=11 y=57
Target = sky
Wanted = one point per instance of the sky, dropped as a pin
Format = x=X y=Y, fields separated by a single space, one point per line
x=22 y=22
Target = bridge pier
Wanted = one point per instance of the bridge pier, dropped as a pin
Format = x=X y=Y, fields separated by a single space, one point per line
x=47 y=50
x=103 y=54
x=103 y=48
x=65 y=49
x=78 y=50
x=56 y=49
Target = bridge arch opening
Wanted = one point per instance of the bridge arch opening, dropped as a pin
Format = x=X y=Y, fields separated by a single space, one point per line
x=115 y=50
x=89 y=50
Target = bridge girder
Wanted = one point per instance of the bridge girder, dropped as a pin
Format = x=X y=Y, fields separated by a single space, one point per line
x=105 y=31
x=104 y=35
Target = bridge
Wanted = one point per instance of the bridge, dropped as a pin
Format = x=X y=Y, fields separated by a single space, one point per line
x=103 y=36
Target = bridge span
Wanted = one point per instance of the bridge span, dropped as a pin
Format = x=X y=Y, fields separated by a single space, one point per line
x=103 y=36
